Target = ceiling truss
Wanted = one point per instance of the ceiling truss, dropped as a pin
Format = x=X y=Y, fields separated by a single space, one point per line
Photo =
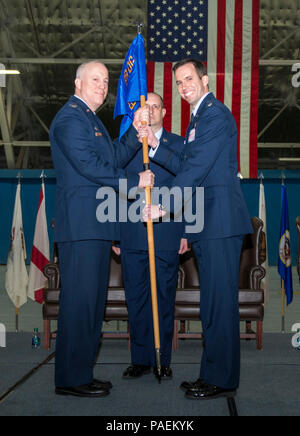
x=25 y=124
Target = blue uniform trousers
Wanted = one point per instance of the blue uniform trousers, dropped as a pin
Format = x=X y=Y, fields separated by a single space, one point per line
x=218 y=263
x=84 y=269
x=136 y=278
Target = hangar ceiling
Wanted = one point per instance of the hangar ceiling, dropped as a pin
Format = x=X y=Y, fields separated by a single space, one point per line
x=47 y=39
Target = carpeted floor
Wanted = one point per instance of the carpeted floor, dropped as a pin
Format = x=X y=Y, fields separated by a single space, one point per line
x=269 y=382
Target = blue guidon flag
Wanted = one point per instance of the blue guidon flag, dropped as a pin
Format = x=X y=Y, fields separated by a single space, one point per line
x=284 y=254
x=132 y=84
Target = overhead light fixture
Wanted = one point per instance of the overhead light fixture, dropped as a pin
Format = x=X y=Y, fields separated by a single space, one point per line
x=10 y=72
x=289 y=159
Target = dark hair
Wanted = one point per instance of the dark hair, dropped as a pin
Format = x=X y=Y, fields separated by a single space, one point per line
x=199 y=66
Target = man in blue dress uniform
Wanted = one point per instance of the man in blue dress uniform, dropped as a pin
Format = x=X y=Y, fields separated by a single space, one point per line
x=135 y=264
x=209 y=160
x=85 y=159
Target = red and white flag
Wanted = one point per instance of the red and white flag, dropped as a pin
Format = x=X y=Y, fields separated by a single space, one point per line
x=224 y=34
x=40 y=252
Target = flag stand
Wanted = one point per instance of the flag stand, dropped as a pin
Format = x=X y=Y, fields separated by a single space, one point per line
x=151 y=251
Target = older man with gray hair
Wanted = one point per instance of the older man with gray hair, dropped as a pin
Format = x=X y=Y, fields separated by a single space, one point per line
x=85 y=158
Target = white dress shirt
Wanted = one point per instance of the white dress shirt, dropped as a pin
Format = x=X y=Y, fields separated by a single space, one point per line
x=158 y=136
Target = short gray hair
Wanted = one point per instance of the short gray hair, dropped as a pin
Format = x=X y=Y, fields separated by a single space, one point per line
x=82 y=67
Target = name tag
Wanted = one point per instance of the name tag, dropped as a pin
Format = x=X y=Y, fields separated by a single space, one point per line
x=192 y=135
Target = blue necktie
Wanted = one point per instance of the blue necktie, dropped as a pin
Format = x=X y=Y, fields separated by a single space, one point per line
x=191 y=125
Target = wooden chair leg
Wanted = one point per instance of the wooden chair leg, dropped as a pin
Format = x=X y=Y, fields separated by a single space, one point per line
x=259 y=331
x=128 y=331
x=47 y=334
x=175 y=335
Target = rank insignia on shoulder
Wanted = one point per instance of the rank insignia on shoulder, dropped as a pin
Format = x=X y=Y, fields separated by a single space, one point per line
x=73 y=105
x=98 y=134
x=165 y=140
x=209 y=104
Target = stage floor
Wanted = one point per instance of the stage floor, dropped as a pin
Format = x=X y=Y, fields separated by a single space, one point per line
x=269 y=382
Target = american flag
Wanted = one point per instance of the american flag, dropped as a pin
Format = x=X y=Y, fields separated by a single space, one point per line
x=225 y=35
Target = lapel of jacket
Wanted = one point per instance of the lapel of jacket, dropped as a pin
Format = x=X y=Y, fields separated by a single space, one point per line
x=164 y=137
x=205 y=103
x=102 y=129
x=85 y=109
x=97 y=124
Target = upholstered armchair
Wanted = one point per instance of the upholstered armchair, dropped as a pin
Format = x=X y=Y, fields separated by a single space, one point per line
x=251 y=296
x=116 y=308
x=187 y=305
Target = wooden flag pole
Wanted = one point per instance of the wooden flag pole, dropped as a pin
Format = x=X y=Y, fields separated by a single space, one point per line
x=283 y=304
x=17 y=320
x=151 y=252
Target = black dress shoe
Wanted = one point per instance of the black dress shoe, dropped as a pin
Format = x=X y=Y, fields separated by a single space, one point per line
x=90 y=390
x=102 y=384
x=166 y=373
x=135 y=371
x=208 y=391
x=197 y=384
